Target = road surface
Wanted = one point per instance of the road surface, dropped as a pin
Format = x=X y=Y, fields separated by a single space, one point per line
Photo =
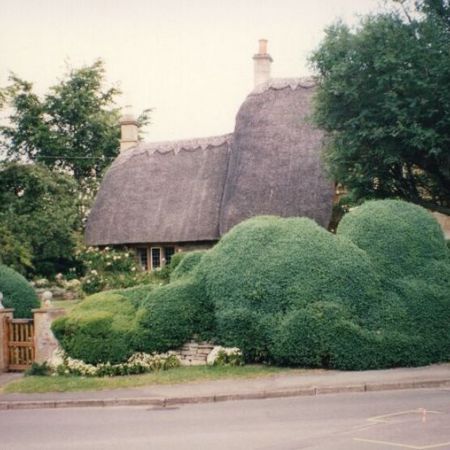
x=412 y=419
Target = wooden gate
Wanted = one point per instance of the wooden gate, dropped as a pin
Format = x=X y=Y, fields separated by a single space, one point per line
x=20 y=343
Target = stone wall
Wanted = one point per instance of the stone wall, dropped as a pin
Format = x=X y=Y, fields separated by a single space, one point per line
x=193 y=353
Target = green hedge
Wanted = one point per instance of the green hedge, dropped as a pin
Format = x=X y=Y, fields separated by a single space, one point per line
x=187 y=264
x=172 y=314
x=288 y=292
x=269 y=264
x=17 y=293
x=399 y=237
x=100 y=329
x=267 y=267
x=407 y=246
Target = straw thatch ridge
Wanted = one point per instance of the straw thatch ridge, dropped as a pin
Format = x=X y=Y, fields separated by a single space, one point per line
x=162 y=192
x=276 y=166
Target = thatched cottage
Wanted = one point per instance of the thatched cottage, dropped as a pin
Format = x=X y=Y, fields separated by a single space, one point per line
x=164 y=197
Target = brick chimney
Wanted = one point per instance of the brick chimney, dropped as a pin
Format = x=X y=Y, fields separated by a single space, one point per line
x=263 y=62
x=128 y=129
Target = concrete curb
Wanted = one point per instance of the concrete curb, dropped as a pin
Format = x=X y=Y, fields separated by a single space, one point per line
x=172 y=401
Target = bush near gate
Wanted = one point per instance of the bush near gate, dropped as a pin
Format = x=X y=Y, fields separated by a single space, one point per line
x=17 y=293
x=98 y=330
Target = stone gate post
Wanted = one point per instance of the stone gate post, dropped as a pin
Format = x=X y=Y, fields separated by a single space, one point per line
x=45 y=342
x=5 y=314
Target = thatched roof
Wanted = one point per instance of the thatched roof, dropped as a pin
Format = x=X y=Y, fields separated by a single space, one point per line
x=161 y=192
x=276 y=166
x=187 y=191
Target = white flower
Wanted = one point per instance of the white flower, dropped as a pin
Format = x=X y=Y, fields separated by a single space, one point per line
x=213 y=354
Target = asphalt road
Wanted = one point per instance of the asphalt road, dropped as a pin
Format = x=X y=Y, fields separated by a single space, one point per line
x=413 y=419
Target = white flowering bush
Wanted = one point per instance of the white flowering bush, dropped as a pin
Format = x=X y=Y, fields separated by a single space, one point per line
x=61 y=364
x=110 y=268
x=225 y=356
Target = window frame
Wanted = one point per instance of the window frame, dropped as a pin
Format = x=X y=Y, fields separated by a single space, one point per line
x=144 y=248
x=151 y=257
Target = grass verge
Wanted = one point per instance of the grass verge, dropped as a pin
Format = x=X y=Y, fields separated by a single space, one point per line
x=35 y=384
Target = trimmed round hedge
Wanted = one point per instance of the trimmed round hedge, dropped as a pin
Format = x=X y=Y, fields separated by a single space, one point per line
x=407 y=246
x=100 y=329
x=268 y=266
x=17 y=293
x=172 y=314
x=288 y=292
x=399 y=237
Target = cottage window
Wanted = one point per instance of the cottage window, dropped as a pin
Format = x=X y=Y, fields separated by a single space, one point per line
x=156 y=257
x=142 y=257
x=168 y=253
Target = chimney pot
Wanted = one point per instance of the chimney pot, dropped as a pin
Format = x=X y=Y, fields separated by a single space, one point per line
x=128 y=129
x=262 y=46
x=263 y=63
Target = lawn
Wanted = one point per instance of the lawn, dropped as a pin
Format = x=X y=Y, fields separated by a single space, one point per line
x=33 y=384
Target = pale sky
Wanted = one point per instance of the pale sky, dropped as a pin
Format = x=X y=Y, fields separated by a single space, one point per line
x=189 y=60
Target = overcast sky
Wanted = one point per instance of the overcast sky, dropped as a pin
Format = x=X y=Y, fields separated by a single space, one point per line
x=189 y=60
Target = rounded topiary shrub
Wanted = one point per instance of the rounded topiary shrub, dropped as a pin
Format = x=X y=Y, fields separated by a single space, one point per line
x=172 y=314
x=407 y=246
x=100 y=329
x=267 y=266
x=17 y=293
x=270 y=264
x=396 y=235
x=189 y=262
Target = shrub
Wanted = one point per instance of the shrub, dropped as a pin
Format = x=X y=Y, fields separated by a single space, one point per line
x=17 y=293
x=399 y=237
x=176 y=259
x=172 y=314
x=323 y=335
x=109 y=268
x=267 y=266
x=187 y=264
x=137 y=294
x=100 y=329
x=222 y=356
x=37 y=369
x=246 y=329
x=302 y=337
x=407 y=246
x=136 y=364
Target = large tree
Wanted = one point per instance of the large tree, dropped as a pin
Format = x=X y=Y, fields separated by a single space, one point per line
x=73 y=129
x=38 y=219
x=384 y=100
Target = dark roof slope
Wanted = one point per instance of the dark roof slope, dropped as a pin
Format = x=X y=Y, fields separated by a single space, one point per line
x=162 y=192
x=275 y=167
